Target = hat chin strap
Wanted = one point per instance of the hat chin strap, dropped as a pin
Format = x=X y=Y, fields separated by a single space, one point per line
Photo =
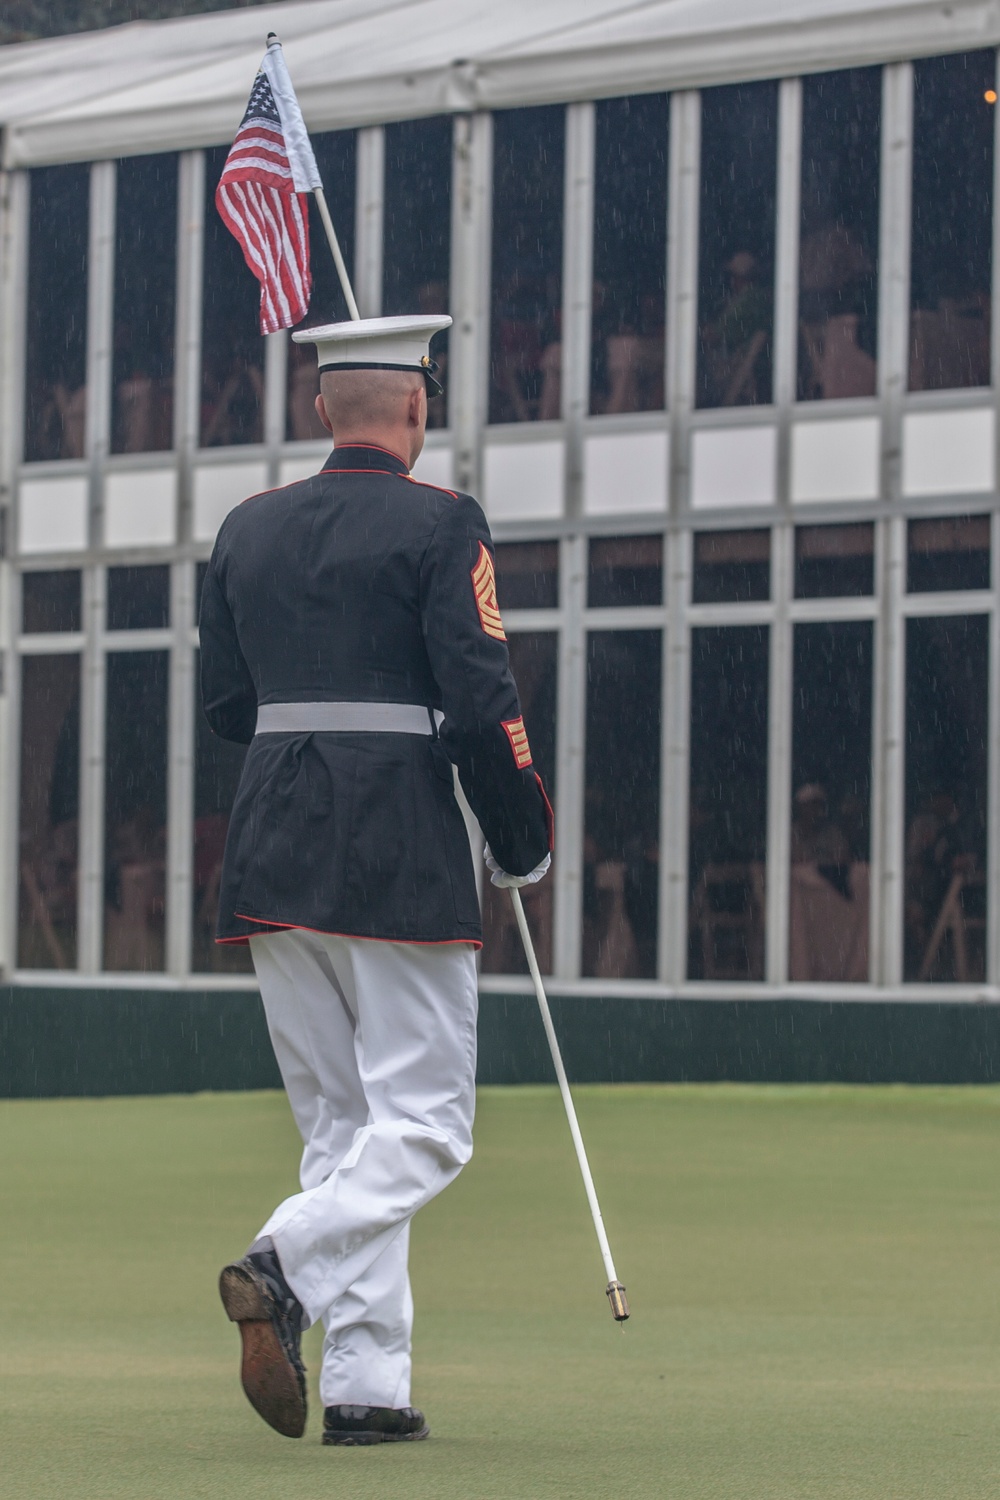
x=434 y=387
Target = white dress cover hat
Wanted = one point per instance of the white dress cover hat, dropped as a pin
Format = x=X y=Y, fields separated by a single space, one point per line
x=378 y=344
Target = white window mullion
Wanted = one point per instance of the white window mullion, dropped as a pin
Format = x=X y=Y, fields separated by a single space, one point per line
x=683 y=205
x=10 y=768
x=571 y=721
x=675 y=762
x=14 y=216
x=100 y=325
x=100 y=335
x=369 y=218
x=275 y=399
x=187 y=348
x=888 y=748
x=180 y=771
x=90 y=876
x=577 y=292
x=779 y=754
x=468 y=347
x=781 y=654
x=786 y=270
x=896 y=193
x=889 y=757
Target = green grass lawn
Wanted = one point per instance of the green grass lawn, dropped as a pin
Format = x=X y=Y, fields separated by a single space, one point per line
x=814 y=1276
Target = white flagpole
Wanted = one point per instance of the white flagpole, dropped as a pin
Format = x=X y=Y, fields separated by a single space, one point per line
x=338 y=259
x=281 y=86
x=614 y=1289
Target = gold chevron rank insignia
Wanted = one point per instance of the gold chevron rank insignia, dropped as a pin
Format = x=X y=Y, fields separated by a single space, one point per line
x=518 y=737
x=485 y=587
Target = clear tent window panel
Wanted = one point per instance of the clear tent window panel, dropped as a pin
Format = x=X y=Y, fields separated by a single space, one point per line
x=417 y=232
x=527 y=575
x=48 y=812
x=529 y=149
x=336 y=157
x=51 y=601
x=622 y=804
x=135 y=810
x=138 y=598
x=624 y=571
x=55 y=395
x=630 y=254
x=731 y=567
x=951 y=249
x=534 y=660
x=947 y=706
x=142 y=374
x=232 y=348
x=218 y=765
x=947 y=553
x=835 y=561
x=739 y=136
x=829 y=886
x=838 y=249
x=727 y=817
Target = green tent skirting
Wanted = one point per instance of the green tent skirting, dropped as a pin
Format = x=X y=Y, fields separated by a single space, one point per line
x=64 y=1042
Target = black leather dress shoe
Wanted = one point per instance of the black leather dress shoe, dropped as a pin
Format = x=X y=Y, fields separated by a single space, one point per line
x=360 y=1426
x=256 y=1295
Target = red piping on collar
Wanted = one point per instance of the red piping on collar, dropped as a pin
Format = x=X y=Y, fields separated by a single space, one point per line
x=375 y=448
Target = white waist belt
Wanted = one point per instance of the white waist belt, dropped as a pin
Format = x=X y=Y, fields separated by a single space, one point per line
x=346 y=718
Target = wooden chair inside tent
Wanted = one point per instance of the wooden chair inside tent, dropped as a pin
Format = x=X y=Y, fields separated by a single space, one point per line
x=728 y=909
x=956 y=920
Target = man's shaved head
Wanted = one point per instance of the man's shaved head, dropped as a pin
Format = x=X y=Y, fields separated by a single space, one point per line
x=385 y=408
x=355 y=398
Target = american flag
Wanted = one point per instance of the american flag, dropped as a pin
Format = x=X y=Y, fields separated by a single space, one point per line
x=261 y=199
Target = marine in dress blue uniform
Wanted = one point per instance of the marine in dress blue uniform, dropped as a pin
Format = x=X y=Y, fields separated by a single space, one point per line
x=350 y=634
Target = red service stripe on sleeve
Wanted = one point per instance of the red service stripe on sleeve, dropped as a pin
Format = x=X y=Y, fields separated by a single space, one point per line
x=516 y=733
x=485 y=589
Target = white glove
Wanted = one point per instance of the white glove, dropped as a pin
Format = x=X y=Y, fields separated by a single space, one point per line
x=513 y=882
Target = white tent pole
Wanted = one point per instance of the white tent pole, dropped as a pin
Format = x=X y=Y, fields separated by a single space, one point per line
x=615 y=1290
x=338 y=259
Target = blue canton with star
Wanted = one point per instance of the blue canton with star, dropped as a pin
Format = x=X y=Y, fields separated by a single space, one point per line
x=261 y=105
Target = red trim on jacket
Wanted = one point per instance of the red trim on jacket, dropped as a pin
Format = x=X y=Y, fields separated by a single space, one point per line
x=550 y=817
x=424 y=485
x=372 y=447
x=360 y=936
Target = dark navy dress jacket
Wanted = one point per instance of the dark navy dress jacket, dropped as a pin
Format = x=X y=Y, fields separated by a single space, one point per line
x=363 y=585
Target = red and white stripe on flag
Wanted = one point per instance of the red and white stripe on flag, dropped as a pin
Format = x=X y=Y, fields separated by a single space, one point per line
x=257 y=201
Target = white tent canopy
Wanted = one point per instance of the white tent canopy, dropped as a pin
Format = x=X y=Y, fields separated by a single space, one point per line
x=170 y=85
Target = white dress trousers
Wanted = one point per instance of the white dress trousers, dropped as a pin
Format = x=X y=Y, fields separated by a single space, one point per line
x=376 y=1043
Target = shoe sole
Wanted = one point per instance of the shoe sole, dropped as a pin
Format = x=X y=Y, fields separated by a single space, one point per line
x=268 y=1377
x=369 y=1439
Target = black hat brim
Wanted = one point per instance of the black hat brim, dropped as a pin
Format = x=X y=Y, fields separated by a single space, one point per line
x=434 y=387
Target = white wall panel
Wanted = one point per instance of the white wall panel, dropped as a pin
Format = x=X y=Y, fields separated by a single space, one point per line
x=835 y=460
x=625 y=471
x=217 y=488
x=948 y=452
x=523 y=481
x=733 y=466
x=140 y=508
x=53 y=514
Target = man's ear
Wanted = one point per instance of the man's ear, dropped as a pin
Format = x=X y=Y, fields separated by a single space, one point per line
x=321 y=413
x=415 y=413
